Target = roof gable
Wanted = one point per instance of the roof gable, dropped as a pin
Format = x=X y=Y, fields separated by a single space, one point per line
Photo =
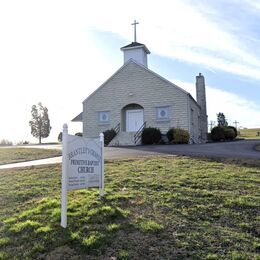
x=145 y=68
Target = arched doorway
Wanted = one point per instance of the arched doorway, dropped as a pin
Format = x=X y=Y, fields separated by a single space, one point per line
x=132 y=117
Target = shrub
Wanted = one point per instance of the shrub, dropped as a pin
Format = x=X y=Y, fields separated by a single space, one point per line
x=178 y=136
x=79 y=134
x=170 y=134
x=109 y=135
x=229 y=133
x=235 y=130
x=151 y=135
x=181 y=136
x=217 y=133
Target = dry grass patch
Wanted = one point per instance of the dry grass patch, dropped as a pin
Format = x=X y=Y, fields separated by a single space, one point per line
x=14 y=154
x=253 y=133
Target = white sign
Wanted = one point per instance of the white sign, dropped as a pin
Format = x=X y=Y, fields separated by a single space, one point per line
x=82 y=166
x=84 y=161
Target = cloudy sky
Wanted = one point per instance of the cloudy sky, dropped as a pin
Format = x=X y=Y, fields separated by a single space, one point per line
x=58 y=52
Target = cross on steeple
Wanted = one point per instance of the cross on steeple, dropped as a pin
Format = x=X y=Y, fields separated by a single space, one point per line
x=134 y=24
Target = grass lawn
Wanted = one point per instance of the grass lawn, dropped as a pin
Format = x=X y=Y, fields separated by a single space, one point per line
x=250 y=133
x=154 y=208
x=14 y=154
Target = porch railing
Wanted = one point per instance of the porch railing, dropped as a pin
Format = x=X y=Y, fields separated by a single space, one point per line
x=117 y=128
x=110 y=138
x=138 y=134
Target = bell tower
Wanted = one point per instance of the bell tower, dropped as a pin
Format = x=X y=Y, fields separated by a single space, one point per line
x=135 y=50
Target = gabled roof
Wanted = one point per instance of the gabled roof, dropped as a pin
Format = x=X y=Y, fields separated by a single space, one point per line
x=78 y=118
x=135 y=45
x=157 y=75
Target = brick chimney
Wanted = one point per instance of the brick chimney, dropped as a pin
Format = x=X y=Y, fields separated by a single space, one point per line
x=201 y=100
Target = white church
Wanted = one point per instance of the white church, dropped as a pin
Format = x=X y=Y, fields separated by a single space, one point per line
x=135 y=97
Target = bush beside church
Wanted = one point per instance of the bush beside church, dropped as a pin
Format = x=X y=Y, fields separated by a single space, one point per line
x=153 y=135
x=223 y=133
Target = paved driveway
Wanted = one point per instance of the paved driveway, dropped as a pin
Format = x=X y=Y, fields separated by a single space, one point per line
x=238 y=149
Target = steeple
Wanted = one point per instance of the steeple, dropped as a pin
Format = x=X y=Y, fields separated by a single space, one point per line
x=135 y=50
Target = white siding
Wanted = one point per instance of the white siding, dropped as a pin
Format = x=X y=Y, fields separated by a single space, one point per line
x=135 y=84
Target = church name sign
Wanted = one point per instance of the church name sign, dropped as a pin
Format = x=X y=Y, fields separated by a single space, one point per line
x=82 y=166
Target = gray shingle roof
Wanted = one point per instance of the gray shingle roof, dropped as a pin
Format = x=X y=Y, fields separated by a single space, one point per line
x=135 y=45
x=78 y=118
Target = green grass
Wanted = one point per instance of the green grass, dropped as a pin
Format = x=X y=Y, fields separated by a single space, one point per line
x=12 y=155
x=249 y=133
x=154 y=208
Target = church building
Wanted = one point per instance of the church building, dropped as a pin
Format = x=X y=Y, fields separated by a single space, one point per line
x=135 y=97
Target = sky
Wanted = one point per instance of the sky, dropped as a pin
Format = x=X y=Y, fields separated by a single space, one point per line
x=59 y=52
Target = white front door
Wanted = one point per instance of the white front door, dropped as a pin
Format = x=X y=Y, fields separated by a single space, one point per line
x=134 y=120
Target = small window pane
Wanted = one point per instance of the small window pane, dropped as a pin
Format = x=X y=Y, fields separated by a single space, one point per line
x=104 y=116
x=162 y=112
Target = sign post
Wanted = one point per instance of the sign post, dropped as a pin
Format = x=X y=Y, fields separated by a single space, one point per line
x=102 y=182
x=64 y=177
x=82 y=166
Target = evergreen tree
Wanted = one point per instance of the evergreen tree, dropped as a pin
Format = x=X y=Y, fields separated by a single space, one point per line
x=40 y=123
x=221 y=119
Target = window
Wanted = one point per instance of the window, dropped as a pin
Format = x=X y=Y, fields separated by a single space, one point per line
x=103 y=117
x=162 y=113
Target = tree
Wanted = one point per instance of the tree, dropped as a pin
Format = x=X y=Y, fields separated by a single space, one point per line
x=60 y=137
x=40 y=123
x=221 y=119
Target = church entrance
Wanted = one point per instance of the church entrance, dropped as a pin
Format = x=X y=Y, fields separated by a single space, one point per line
x=132 y=117
x=134 y=120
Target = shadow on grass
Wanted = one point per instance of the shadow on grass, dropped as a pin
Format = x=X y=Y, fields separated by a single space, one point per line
x=93 y=225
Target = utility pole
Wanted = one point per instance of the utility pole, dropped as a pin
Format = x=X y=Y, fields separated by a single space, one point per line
x=212 y=123
x=236 y=123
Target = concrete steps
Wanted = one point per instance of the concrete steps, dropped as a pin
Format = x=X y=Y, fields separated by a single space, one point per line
x=124 y=139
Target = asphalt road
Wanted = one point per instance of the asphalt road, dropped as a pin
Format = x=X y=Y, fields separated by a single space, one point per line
x=238 y=149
